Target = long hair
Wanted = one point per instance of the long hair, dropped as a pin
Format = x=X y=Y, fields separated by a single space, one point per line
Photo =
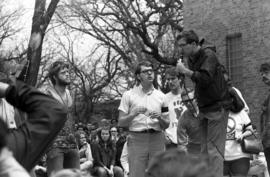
x=109 y=143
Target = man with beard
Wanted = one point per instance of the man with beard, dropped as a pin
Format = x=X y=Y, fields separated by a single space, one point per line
x=64 y=152
x=175 y=82
x=265 y=116
x=144 y=111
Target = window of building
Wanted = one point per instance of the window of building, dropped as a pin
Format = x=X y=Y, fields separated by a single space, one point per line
x=234 y=58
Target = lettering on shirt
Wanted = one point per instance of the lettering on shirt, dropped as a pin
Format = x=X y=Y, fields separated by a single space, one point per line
x=231 y=129
x=178 y=108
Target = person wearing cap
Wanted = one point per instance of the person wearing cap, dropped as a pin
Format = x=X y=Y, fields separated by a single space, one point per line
x=144 y=111
x=265 y=116
x=64 y=151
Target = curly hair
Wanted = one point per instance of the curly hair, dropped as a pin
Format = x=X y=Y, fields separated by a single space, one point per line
x=55 y=68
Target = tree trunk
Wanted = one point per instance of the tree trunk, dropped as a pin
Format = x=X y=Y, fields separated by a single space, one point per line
x=41 y=20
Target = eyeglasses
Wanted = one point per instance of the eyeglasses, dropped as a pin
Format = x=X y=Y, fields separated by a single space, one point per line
x=147 y=71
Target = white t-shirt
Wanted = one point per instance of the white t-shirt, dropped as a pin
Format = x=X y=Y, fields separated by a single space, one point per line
x=235 y=126
x=176 y=109
x=153 y=101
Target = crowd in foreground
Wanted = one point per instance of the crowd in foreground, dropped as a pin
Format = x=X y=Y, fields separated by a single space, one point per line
x=184 y=133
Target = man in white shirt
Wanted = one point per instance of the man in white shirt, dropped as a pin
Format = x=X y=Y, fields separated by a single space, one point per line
x=175 y=105
x=144 y=111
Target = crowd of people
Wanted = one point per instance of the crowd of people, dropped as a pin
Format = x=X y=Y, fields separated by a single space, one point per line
x=183 y=133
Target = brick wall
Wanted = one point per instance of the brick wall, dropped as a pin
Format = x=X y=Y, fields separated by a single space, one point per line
x=215 y=19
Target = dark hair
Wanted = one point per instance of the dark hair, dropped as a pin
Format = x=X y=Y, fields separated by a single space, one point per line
x=265 y=67
x=173 y=72
x=189 y=36
x=140 y=64
x=3 y=134
x=101 y=143
x=55 y=68
x=139 y=68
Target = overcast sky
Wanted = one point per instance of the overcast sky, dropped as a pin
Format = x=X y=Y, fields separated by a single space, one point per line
x=82 y=46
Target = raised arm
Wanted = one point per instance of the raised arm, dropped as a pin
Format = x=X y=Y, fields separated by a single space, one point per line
x=45 y=118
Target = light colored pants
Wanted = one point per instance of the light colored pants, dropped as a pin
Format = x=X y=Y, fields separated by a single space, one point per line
x=141 y=148
x=214 y=126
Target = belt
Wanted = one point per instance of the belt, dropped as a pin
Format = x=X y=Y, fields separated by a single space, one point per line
x=146 y=131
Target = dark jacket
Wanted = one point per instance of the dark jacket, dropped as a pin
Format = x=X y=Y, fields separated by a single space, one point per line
x=265 y=122
x=45 y=118
x=103 y=153
x=203 y=64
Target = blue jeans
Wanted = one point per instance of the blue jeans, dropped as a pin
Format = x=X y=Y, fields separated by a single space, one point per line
x=213 y=127
x=141 y=148
x=58 y=159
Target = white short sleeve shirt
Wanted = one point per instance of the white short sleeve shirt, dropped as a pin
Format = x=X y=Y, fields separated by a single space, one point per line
x=153 y=101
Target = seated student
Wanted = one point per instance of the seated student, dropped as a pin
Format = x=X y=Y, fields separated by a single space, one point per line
x=104 y=155
x=45 y=117
x=119 y=141
x=86 y=158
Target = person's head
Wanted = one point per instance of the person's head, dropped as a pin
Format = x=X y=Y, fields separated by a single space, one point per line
x=175 y=163
x=120 y=130
x=144 y=72
x=265 y=72
x=3 y=134
x=113 y=122
x=82 y=139
x=114 y=131
x=188 y=42
x=189 y=100
x=174 y=79
x=59 y=73
x=80 y=128
x=104 y=123
x=104 y=134
x=89 y=126
x=76 y=126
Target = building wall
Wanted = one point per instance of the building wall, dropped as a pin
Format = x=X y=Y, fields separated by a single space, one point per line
x=216 y=19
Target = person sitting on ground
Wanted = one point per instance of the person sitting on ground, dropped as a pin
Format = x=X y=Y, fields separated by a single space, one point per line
x=104 y=155
x=119 y=142
x=86 y=158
